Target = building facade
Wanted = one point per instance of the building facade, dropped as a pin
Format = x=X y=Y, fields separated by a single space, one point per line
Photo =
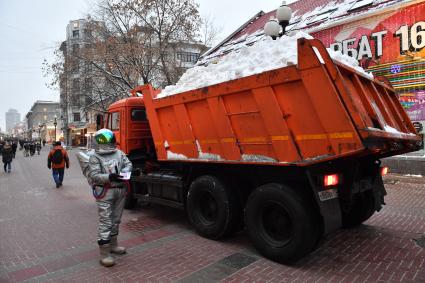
x=74 y=92
x=387 y=37
x=12 y=118
x=43 y=121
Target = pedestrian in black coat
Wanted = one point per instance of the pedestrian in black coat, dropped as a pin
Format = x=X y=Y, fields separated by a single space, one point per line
x=14 y=147
x=7 y=154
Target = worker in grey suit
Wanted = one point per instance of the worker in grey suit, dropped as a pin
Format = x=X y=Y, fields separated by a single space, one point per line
x=104 y=173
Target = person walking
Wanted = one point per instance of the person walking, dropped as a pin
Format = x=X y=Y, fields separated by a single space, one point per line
x=57 y=160
x=38 y=147
x=7 y=154
x=26 y=149
x=32 y=148
x=104 y=169
x=14 y=147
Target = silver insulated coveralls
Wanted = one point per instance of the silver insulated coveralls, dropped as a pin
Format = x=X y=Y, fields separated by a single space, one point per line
x=105 y=160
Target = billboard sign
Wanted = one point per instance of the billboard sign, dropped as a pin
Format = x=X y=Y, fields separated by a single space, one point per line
x=389 y=44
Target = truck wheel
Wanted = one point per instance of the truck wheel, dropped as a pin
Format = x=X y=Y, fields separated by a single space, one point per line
x=362 y=209
x=211 y=207
x=280 y=223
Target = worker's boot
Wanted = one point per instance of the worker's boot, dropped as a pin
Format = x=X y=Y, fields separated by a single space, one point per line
x=115 y=248
x=106 y=258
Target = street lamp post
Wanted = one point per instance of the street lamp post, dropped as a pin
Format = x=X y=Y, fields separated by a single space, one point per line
x=55 y=123
x=39 y=131
x=273 y=26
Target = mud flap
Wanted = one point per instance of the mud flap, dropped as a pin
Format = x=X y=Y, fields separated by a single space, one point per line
x=379 y=192
x=329 y=207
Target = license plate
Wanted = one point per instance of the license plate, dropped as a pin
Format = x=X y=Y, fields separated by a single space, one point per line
x=328 y=194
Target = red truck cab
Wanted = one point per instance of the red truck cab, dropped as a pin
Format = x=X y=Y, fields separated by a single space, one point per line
x=127 y=119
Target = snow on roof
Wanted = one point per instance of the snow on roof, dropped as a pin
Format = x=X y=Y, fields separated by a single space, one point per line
x=308 y=15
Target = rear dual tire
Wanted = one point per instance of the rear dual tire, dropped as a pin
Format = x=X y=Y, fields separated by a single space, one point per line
x=280 y=223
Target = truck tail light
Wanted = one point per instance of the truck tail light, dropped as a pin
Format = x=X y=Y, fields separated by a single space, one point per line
x=331 y=180
x=384 y=171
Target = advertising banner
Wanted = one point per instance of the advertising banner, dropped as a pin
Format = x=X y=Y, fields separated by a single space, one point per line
x=389 y=44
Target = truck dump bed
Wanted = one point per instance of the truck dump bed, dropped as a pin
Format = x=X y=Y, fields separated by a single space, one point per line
x=315 y=111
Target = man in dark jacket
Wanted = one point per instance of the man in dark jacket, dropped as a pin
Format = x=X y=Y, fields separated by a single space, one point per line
x=7 y=154
x=14 y=147
x=57 y=160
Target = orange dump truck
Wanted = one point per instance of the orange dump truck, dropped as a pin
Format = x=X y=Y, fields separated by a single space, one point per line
x=291 y=154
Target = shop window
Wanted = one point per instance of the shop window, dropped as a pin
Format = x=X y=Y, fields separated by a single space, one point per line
x=138 y=115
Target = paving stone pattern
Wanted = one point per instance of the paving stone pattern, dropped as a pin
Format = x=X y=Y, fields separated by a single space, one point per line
x=49 y=235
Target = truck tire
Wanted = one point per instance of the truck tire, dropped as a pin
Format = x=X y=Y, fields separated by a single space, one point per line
x=212 y=208
x=281 y=223
x=362 y=209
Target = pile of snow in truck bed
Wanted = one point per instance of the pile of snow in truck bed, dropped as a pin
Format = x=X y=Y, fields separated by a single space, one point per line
x=265 y=55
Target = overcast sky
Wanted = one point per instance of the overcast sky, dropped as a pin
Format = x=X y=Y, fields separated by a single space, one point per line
x=30 y=30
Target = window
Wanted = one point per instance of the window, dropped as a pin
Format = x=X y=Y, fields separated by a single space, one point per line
x=75 y=48
x=88 y=83
x=187 y=56
x=75 y=66
x=138 y=115
x=322 y=16
x=76 y=33
x=165 y=56
x=360 y=4
x=75 y=24
x=87 y=33
x=87 y=67
x=77 y=117
x=76 y=85
x=115 y=121
x=88 y=100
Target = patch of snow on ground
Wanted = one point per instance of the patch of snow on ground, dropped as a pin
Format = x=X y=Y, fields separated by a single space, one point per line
x=415 y=176
x=264 y=55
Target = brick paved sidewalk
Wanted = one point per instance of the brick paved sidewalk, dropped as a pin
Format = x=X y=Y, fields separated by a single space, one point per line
x=49 y=235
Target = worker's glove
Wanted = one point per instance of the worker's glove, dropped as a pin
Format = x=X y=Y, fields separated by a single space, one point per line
x=113 y=177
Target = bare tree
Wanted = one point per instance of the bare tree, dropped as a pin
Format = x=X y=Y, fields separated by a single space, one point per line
x=127 y=43
x=210 y=32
